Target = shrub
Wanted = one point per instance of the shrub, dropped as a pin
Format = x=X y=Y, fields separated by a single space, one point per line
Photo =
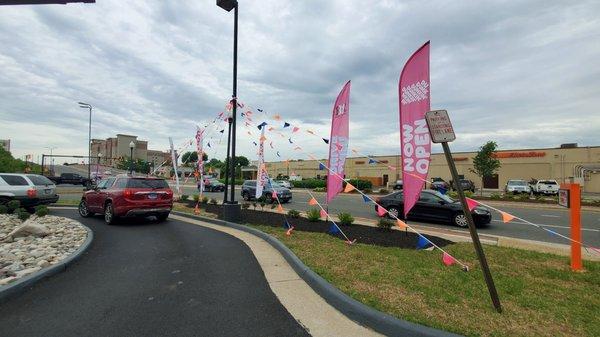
x=196 y=197
x=383 y=191
x=453 y=194
x=385 y=224
x=367 y=190
x=3 y=209
x=213 y=201
x=13 y=205
x=468 y=194
x=313 y=215
x=361 y=184
x=320 y=189
x=292 y=213
x=204 y=200
x=254 y=205
x=495 y=196
x=262 y=204
x=245 y=205
x=184 y=197
x=346 y=219
x=310 y=183
x=273 y=205
x=22 y=214
x=523 y=197
x=41 y=210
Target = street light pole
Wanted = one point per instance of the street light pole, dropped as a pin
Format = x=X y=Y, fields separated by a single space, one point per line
x=235 y=40
x=131 y=146
x=88 y=106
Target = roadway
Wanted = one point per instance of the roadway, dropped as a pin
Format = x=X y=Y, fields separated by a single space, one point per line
x=152 y=279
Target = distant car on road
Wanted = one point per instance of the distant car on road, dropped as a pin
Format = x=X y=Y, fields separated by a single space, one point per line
x=213 y=185
x=398 y=185
x=284 y=183
x=30 y=189
x=517 y=186
x=128 y=196
x=439 y=184
x=433 y=206
x=547 y=187
x=70 y=178
x=466 y=184
x=249 y=192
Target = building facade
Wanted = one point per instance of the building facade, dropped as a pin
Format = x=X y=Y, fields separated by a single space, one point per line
x=5 y=144
x=112 y=150
x=567 y=163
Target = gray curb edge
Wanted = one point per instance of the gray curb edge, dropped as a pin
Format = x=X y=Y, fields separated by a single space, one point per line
x=353 y=309
x=21 y=285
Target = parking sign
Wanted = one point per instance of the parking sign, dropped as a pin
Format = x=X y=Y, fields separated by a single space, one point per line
x=440 y=127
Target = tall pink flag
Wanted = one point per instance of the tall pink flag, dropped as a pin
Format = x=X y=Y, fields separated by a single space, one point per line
x=338 y=142
x=414 y=96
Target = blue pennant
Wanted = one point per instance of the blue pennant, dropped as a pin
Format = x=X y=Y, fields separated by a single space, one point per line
x=366 y=199
x=333 y=229
x=321 y=166
x=372 y=161
x=290 y=141
x=326 y=140
x=551 y=231
x=255 y=144
x=278 y=155
x=222 y=131
x=286 y=124
x=423 y=243
x=260 y=126
x=287 y=225
x=442 y=190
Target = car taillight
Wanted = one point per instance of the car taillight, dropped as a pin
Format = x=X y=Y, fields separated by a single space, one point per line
x=32 y=193
x=127 y=193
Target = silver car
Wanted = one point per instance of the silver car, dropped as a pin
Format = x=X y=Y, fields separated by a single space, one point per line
x=30 y=189
x=517 y=186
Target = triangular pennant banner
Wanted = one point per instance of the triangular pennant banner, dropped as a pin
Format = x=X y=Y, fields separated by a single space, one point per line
x=323 y=213
x=263 y=138
x=259 y=110
x=326 y=140
x=422 y=243
x=470 y=203
x=401 y=224
x=197 y=209
x=286 y=124
x=366 y=199
x=372 y=161
x=276 y=117
x=310 y=131
x=289 y=231
x=443 y=191
x=255 y=144
x=391 y=168
x=280 y=208
x=297 y=148
x=271 y=128
x=312 y=201
x=447 y=259
x=208 y=144
x=278 y=155
x=381 y=211
x=290 y=140
x=271 y=145
x=222 y=131
x=349 y=188
x=321 y=166
x=506 y=217
x=260 y=126
x=286 y=225
x=295 y=129
x=333 y=229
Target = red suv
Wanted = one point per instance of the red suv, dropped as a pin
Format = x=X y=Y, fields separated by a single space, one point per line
x=127 y=196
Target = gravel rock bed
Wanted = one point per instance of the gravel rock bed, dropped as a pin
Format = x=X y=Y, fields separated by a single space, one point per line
x=54 y=239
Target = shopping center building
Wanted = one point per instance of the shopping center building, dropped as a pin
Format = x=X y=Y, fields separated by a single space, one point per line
x=567 y=163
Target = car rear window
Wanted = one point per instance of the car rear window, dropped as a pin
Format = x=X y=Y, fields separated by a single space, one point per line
x=14 y=180
x=548 y=182
x=147 y=183
x=39 y=180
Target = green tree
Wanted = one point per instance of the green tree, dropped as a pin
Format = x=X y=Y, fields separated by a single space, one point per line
x=9 y=164
x=191 y=157
x=484 y=163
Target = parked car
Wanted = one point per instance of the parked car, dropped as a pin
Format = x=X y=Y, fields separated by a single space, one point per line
x=249 y=192
x=398 y=185
x=438 y=184
x=213 y=185
x=128 y=196
x=433 y=206
x=70 y=178
x=517 y=186
x=30 y=189
x=547 y=187
x=284 y=183
x=466 y=184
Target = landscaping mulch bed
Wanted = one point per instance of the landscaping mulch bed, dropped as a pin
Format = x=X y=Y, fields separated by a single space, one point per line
x=362 y=234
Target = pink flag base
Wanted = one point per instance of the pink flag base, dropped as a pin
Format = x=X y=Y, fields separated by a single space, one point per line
x=350 y=242
x=471 y=204
x=381 y=211
x=289 y=231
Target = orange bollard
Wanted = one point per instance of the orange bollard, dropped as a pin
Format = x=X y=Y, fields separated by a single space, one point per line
x=575 y=211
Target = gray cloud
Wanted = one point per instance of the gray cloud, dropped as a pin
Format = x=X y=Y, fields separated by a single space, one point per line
x=522 y=74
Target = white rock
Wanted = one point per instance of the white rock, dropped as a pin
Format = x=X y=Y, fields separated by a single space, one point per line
x=7 y=280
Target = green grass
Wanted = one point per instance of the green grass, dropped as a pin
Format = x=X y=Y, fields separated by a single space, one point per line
x=67 y=202
x=539 y=294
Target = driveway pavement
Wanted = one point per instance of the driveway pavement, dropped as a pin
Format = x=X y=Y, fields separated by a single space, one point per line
x=149 y=279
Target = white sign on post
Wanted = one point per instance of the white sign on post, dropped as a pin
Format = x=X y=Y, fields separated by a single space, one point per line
x=440 y=127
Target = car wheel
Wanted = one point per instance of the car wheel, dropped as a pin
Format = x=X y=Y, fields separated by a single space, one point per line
x=162 y=217
x=109 y=214
x=393 y=213
x=245 y=196
x=83 y=209
x=460 y=220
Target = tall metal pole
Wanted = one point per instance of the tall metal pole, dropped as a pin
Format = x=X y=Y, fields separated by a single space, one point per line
x=90 y=145
x=235 y=39
x=227 y=162
x=474 y=236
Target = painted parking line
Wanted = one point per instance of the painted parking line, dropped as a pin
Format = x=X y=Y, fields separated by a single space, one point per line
x=550 y=216
x=553 y=226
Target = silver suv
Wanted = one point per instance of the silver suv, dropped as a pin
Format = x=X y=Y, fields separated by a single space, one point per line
x=30 y=189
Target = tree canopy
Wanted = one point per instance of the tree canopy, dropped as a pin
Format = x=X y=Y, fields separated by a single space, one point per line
x=484 y=162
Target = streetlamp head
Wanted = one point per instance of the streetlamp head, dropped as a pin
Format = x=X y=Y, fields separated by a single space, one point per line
x=227 y=5
x=99 y=155
x=131 y=144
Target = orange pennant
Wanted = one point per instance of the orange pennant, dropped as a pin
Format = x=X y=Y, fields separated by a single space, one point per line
x=271 y=129
x=310 y=131
x=280 y=208
x=313 y=201
x=506 y=217
x=349 y=188
x=196 y=209
x=276 y=117
x=401 y=224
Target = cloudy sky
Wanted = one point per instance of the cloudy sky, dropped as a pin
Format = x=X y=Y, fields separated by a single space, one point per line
x=525 y=74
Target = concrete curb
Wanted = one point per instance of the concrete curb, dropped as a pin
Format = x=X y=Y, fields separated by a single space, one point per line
x=353 y=309
x=21 y=285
